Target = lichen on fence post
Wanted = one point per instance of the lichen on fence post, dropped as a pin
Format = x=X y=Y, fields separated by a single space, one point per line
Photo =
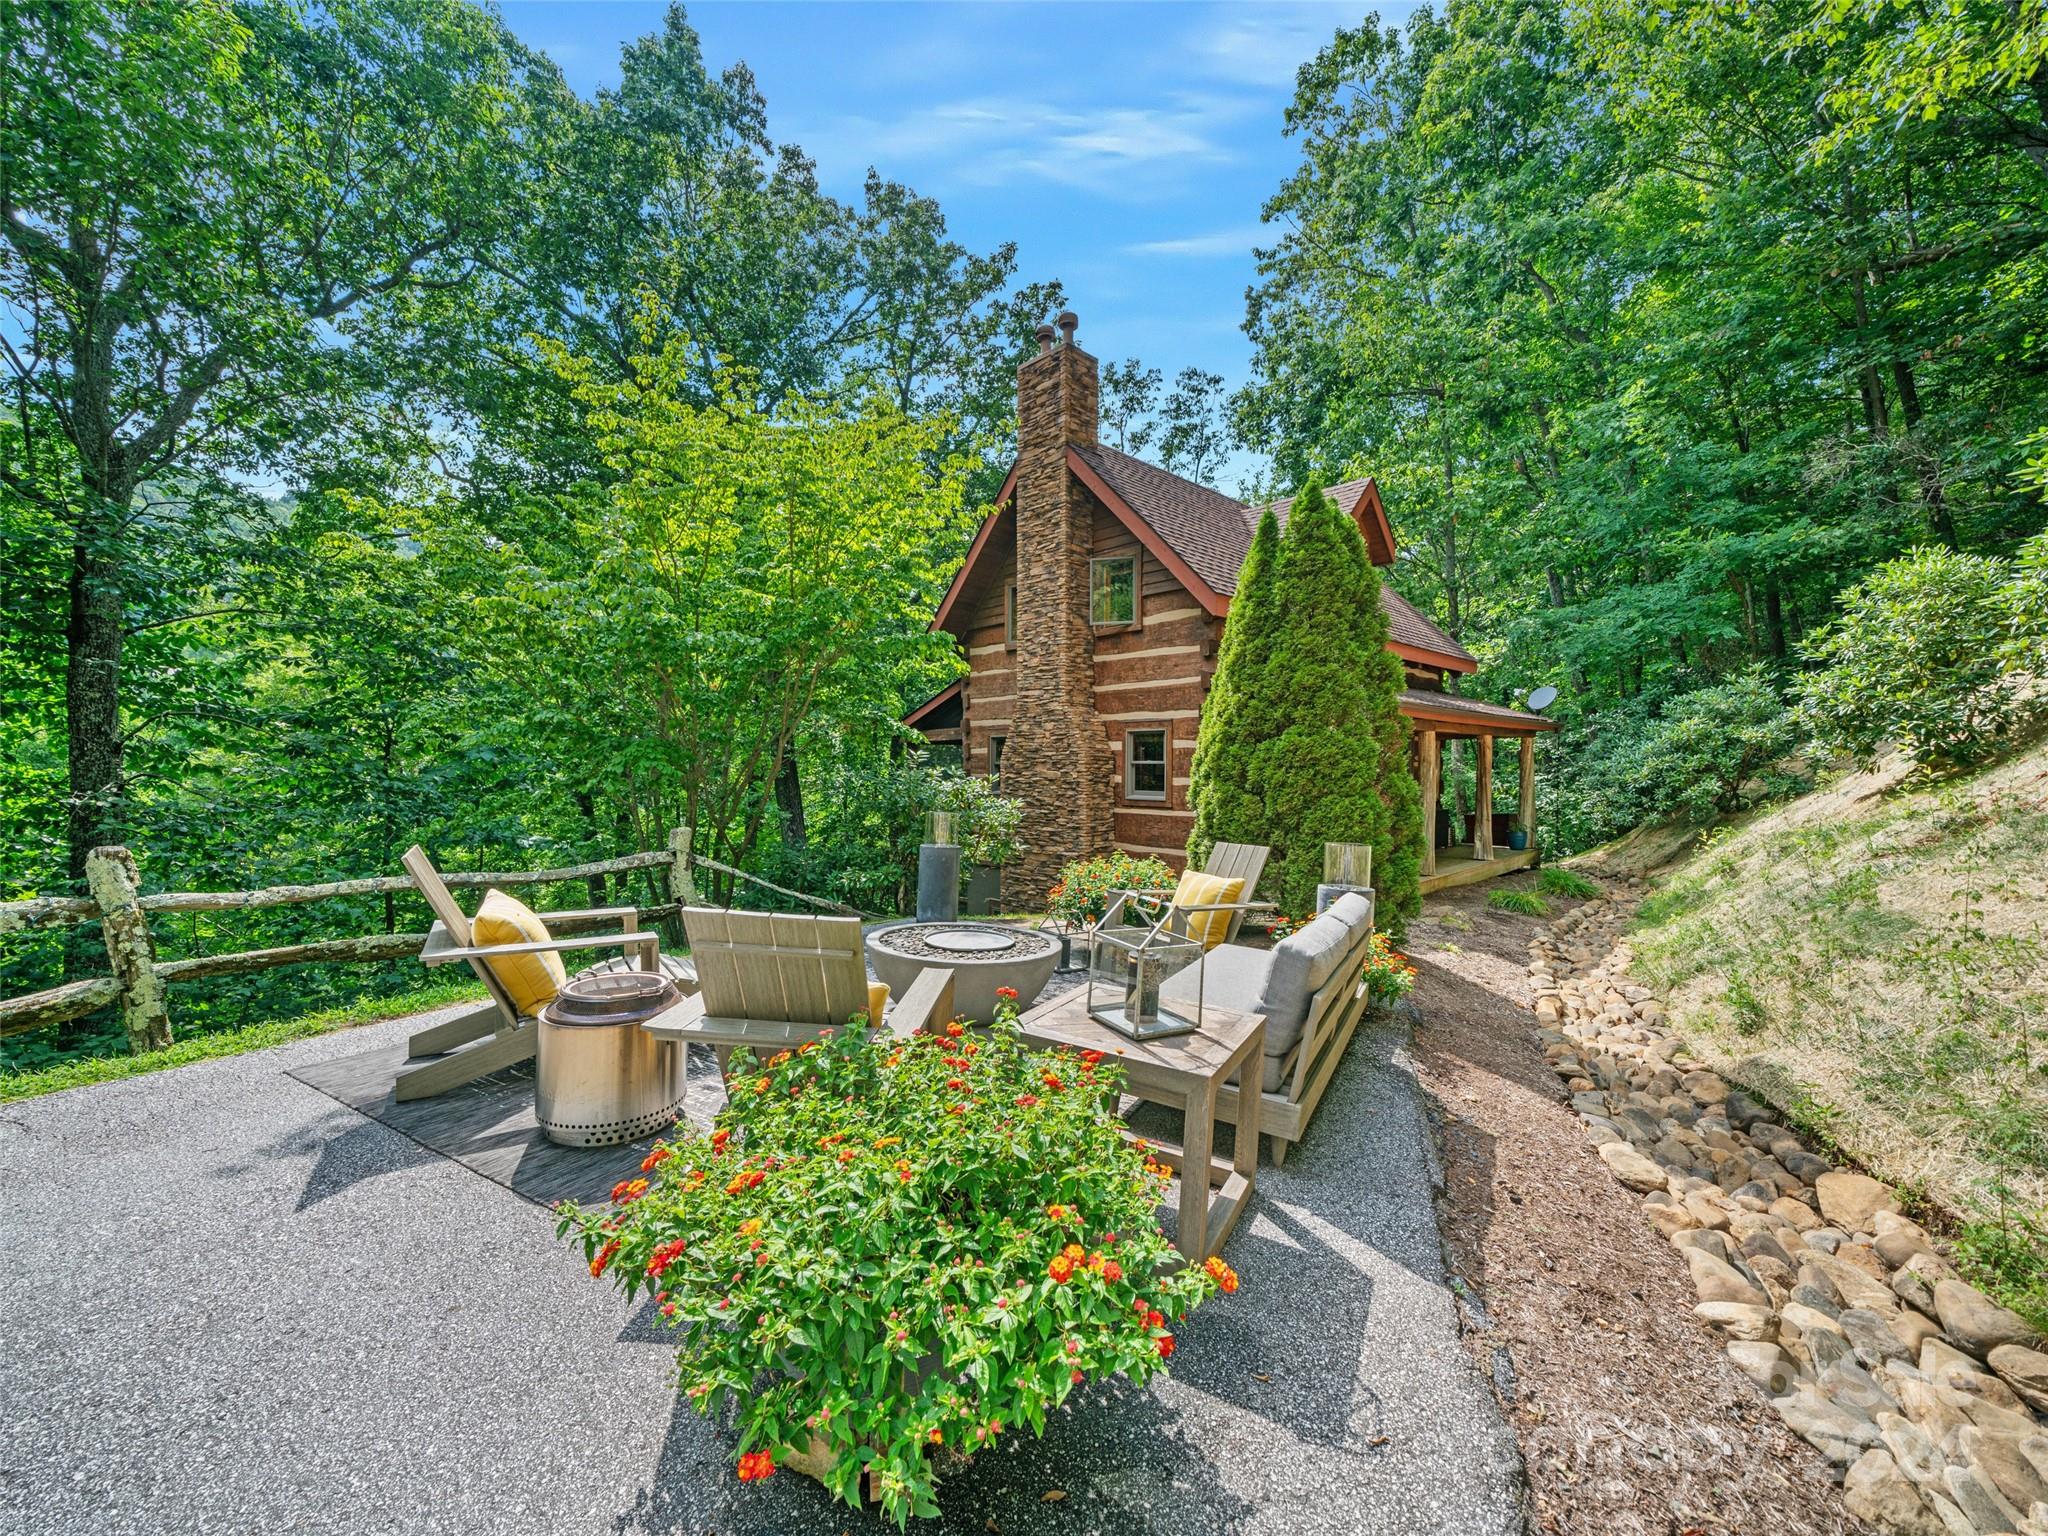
x=111 y=875
x=682 y=888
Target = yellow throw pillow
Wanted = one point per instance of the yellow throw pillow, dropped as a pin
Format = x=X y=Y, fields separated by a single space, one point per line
x=530 y=980
x=878 y=1002
x=1198 y=890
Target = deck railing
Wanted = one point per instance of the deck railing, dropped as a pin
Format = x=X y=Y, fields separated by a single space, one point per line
x=139 y=978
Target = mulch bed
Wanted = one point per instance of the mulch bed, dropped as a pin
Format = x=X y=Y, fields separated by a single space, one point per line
x=1631 y=1420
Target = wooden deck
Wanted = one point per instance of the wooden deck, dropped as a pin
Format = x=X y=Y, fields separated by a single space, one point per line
x=1456 y=866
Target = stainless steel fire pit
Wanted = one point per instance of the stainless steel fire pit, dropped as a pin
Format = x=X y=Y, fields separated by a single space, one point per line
x=600 y=1078
x=981 y=956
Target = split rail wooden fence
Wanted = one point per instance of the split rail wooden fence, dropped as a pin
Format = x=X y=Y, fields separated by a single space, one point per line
x=139 y=979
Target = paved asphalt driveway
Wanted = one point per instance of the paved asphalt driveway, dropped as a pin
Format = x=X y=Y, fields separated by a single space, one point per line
x=232 y=1305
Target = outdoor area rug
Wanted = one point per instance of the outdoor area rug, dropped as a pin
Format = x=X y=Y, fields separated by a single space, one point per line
x=488 y=1125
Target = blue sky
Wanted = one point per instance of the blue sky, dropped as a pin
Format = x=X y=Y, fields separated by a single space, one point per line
x=1125 y=148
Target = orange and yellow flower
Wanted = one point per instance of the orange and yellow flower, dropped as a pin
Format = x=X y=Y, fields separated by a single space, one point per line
x=755 y=1465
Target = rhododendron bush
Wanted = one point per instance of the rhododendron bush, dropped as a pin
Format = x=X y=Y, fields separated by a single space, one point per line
x=892 y=1252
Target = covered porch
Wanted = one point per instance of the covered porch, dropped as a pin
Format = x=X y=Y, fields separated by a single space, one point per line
x=1482 y=848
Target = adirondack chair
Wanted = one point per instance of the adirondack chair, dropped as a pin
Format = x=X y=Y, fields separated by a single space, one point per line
x=772 y=980
x=1228 y=861
x=460 y=1049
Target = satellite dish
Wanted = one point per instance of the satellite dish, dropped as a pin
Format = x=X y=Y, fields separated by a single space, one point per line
x=1542 y=699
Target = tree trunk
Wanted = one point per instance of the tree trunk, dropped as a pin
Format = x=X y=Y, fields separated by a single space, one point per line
x=92 y=686
x=789 y=799
x=1774 y=622
x=1932 y=492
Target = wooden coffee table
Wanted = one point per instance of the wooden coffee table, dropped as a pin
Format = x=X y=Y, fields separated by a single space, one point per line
x=1183 y=1072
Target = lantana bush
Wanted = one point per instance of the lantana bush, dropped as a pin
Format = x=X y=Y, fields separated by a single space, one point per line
x=890 y=1252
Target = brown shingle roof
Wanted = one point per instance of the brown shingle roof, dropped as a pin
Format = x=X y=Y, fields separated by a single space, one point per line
x=1204 y=527
x=1425 y=702
x=1213 y=534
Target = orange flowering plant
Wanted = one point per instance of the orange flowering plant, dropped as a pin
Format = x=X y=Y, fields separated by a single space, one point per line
x=890 y=1252
x=1388 y=975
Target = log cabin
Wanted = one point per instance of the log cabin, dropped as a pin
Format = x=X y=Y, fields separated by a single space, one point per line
x=1089 y=610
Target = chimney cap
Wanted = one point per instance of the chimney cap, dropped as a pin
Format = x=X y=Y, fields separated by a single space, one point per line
x=1068 y=323
x=1045 y=334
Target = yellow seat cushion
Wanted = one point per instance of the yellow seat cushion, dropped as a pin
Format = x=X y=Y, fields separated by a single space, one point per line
x=1199 y=890
x=878 y=1002
x=530 y=980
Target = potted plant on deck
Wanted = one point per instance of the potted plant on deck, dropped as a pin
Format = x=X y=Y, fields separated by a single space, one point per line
x=890 y=1253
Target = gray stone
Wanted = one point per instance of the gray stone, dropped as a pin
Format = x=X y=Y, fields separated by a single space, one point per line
x=1873 y=1337
x=1765 y=1364
x=2000 y=1458
x=1912 y=1450
x=1986 y=1507
x=1717 y=1280
x=1704 y=1239
x=1850 y=1200
x=1800 y=1163
x=1978 y=1323
x=1631 y=1167
x=1837 y=1433
x=2024 y=1370
x=1765 y=1245
x=1877 y=1491
x=1737 y=1320
x=1915 y=1289
x=1951 y=1368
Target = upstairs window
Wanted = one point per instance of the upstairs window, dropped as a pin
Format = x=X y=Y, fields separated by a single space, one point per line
x=1113 y=591
x=1010 y=614
x=1145 y=765
x=995 y=760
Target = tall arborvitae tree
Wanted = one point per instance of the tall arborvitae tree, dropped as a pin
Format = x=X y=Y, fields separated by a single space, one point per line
x=1228 y=805
x=1309 y=746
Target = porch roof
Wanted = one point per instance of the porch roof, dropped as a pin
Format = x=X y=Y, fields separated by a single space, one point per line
x=1450 y=715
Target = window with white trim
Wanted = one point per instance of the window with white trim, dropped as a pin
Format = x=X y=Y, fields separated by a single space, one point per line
x=1145 y=765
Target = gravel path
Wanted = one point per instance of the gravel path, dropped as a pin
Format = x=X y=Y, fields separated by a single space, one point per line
x=233 y=1305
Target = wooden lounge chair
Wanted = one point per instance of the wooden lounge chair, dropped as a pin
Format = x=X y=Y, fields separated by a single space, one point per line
x=461 y=1050
x=772 y=980
x=1240 y=861
x=1227 y=861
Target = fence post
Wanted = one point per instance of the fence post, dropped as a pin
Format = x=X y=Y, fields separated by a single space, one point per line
x=111 y=875
x=681 y=887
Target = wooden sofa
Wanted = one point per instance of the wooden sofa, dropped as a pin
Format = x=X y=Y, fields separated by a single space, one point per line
x=1311 y=988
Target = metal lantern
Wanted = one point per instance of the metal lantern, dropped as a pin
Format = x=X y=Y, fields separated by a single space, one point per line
x=1132 y=955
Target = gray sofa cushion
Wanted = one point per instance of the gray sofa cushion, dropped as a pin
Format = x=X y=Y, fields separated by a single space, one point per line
x=1302 y=963
x=1278 y=982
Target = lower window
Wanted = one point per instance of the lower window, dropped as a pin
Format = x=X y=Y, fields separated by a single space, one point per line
x=1145 y=765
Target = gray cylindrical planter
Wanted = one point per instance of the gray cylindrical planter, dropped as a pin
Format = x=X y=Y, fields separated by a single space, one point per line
x=938 y=882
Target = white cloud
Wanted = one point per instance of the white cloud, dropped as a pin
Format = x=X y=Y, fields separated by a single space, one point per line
x=1237 y=241
x=990 y=141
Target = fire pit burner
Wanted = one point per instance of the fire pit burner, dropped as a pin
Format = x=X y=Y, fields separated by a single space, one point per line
x=970 y=941
x=981 y=956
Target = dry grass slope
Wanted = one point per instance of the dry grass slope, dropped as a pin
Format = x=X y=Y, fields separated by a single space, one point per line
x=1873 y=958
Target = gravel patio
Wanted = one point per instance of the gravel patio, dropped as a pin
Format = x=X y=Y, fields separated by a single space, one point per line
x=235 y=1304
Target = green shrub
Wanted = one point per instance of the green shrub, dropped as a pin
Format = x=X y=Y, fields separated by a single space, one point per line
x=866 y=818
x=1920 y=654
x=2007 y=1257
x=1527 y=903
x=1566 y=882
x=1713 y=748
x=1086 y=887
x=1302 y=742
x=890 y=1252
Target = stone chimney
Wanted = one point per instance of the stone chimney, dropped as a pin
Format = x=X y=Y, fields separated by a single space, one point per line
x=1057 y=760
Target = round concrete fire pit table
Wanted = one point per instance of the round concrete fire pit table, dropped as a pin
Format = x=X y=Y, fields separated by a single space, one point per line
x=981 y=956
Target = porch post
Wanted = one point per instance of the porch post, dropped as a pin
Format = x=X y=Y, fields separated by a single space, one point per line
x=1529 y=789
x=1427 y=770
x=1482 y=818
